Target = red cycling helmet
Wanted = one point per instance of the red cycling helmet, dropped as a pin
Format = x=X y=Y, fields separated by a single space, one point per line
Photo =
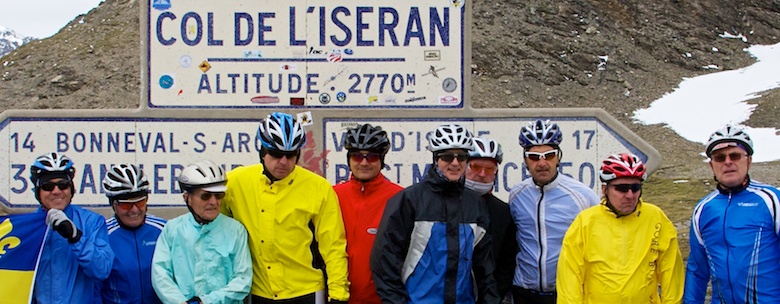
x=622 y=165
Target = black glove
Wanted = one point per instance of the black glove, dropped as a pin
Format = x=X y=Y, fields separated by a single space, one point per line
x=194 y=300
x=337 y=302
x=63 y=225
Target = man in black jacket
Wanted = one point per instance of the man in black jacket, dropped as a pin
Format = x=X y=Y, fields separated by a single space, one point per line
x=480 y=177
x=432 y=245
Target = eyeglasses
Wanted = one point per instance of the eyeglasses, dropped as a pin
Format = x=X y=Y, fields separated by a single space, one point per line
x=279 y=154
x=450 y=156
x=488 y=170
x=370 y=157
x=128 y=204
x=624 y=188
x=721 y=157
x=535 y=156
x=207 y=195
x=49 y=186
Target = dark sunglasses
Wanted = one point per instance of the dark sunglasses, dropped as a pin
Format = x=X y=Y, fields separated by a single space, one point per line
x=49 y=186
x=279 y=154
x=450 y=156
x=126 y=205
x=535 y=156
x=207 y=195
x=624 y=188
x=477 y=168
x=734 y=156
x=370 y=157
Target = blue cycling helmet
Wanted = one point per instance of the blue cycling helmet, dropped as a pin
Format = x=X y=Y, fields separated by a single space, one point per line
x=280 y=131
x=540 y=133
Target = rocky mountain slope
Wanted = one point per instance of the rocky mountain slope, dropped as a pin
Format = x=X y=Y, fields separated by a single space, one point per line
x=525 y=54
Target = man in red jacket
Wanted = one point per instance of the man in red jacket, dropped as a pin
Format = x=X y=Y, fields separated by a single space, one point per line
x=363 y=198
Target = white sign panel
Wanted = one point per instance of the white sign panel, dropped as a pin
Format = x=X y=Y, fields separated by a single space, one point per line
x=349 y=53
x=162 y=147
x=586 y=142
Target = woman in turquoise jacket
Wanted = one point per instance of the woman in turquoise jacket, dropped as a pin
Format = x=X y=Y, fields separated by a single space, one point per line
x=202 y=256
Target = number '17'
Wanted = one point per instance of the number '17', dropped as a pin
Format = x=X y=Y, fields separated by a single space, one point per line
x=585 y=133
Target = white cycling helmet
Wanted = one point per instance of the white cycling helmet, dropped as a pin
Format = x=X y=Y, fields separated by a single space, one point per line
x=729 y=134
x=203 y=175
x=125 y=181
x=451 y=136
x=486 y=148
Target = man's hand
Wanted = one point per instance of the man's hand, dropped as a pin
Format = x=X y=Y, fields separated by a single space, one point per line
x=63 y=225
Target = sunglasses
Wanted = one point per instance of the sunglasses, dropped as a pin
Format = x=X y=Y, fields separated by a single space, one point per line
x=543 y=155
x=624 y=188
x=128 y=204
x=450 y=156
x=49 y=186
x=370 y=157
x=488 y=170
x=279 y=154
x=734 y=156
x=207 y=195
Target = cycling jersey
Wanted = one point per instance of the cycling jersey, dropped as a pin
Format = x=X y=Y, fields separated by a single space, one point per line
x=735 y=245
x=71 y=273
x=277 y=216
x=208 y=261
x=542 y=216
x=432 y=246
x=362 y=205
x=130 y=280
x=633 y=258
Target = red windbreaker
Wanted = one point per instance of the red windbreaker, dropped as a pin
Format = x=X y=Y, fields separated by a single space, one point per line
x=362 y=205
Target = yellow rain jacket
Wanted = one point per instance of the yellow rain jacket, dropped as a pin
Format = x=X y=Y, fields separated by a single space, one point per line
x=276 y=216
x=611 y=259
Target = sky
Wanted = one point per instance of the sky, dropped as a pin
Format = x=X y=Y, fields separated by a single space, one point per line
x=703 y=104
x=41 y=18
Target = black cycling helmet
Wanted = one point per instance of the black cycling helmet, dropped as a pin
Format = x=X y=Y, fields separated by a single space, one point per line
x=367 y=137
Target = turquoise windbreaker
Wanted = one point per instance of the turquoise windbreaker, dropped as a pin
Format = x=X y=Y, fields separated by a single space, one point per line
x=209 y=261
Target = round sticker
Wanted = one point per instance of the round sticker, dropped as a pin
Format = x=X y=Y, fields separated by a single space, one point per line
x=341 y=96
x=185 y=61
x=166 y=81
x=449 y=85
x=324 y=98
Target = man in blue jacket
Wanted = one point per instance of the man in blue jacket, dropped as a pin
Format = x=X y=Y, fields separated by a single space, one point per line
x=735 y=236
x=132 y=234
x=76 y=258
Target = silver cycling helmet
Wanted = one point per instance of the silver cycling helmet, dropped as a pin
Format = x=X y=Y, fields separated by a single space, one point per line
x=450 y=136
x=486 y=148
x=125 y=181
x=203 y=175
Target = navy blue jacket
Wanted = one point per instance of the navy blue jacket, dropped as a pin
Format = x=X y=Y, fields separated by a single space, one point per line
x=130 y=280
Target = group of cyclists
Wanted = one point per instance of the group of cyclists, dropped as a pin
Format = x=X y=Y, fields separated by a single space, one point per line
x=275 y=232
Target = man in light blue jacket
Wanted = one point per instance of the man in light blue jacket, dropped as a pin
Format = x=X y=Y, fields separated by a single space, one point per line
x=202 y=256
x=76 y=258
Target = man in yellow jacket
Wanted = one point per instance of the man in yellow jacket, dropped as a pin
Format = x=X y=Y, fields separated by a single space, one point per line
x=623 y=250
x=285 y=209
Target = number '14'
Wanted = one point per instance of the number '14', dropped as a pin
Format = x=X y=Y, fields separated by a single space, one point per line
x=28 y=143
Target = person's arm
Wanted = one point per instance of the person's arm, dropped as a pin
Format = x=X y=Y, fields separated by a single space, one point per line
x=162 y=272
x=697 y=273
x=570 y=276
x=93 y=249
x=670 y=269
x=389 y=250
x=483 y=264
x=238 y=287
x=332 y=242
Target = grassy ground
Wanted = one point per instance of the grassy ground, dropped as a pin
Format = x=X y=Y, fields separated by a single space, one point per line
x=677 y=197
